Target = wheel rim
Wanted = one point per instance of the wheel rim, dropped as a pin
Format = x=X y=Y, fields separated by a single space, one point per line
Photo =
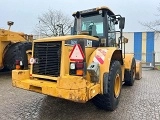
x=117 y=86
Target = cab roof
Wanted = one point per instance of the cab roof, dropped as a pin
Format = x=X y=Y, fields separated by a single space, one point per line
x=94 y=10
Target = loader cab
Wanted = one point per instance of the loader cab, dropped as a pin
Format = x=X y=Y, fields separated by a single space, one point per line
x=100 y=23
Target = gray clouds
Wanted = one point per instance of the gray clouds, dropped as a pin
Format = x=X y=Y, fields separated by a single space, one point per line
x=24 y=12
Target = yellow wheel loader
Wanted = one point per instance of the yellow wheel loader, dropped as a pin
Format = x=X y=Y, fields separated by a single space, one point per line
x=87 y=65
x=13 y=46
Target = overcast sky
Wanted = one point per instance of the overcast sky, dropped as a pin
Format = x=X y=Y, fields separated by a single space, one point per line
x=24 y=13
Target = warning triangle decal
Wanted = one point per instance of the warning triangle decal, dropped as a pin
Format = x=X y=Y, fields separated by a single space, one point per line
x=77 y=53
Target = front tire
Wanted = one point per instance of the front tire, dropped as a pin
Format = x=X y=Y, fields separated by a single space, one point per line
x=113 y=82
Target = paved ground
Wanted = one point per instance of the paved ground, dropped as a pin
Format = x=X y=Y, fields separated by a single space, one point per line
x=140 y=102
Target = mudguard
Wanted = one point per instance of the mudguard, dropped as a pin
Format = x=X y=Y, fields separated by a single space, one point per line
x=128 y=61
x=104 y=56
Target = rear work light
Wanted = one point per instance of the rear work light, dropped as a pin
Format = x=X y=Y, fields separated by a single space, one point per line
x=72 y=66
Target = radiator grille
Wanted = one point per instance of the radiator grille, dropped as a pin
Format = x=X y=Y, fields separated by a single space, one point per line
x=48 y=57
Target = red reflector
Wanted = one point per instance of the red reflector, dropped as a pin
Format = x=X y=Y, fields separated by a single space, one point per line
x=79 y=65
x=77 y=53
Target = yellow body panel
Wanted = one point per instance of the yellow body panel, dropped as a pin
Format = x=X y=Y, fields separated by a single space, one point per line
x=68 y=37
x=68 y=87
x=6 y=35
x=128 y=61
x=44 y=77
x=20 y=75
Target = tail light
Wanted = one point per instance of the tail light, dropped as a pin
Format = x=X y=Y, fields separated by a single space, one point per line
x=79 y=65
x=76 y=68
x=18 y=64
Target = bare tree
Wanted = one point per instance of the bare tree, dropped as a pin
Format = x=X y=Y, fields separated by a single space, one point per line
x=53 y=23
x=153 y=25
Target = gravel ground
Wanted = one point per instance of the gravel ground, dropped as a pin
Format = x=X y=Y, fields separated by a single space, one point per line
x=139 y=102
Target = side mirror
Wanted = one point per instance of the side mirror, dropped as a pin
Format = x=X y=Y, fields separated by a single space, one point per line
x=121 y=22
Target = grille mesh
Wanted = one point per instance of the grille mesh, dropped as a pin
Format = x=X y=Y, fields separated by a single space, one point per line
x=48 y=55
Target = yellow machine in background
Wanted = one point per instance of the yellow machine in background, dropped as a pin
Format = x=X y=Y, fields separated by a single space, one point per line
x=87 y=65
x=13 y=46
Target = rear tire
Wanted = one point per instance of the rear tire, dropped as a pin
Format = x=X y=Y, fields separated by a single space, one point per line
x=110 y=99
x=129 y=76
x=16 y=51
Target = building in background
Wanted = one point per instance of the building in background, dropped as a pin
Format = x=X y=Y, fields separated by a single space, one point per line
x=143 y=45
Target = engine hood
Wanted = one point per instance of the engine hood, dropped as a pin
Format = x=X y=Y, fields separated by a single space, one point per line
x=64 y=38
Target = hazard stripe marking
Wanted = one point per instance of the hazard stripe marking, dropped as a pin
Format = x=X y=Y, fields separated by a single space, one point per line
x=99 y=59
x=100 y=56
